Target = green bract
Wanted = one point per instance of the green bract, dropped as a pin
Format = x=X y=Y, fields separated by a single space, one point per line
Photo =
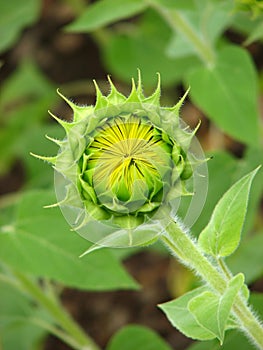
x=121 y=161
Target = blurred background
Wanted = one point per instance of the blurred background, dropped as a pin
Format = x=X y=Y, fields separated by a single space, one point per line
x=215 y=47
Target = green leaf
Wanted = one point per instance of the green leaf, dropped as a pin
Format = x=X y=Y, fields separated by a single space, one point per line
x=14 y=16
x=104 y=12
x=137 y=337
x=38 y=241
x=17 y=90
x=233 y=339
x=179 y=315
x=212 y=311
x=124 y=53
x=243 y=23
x=228 y=93
x=222 y=234
x=22 y=106
x=207 y=20
x=179 y=4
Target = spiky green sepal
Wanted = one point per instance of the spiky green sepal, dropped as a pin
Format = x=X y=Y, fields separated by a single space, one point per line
x=120 y=196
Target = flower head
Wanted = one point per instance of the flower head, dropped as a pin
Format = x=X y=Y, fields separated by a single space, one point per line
x=121 y=161
x=125 y=164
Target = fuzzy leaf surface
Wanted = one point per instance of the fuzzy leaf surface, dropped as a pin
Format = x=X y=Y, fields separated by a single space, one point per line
x=212 y=312
x=234 y=339
x=180 y=316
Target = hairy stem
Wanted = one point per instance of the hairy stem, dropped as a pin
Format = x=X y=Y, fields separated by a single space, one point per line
x=187 y=251
x=74 y=335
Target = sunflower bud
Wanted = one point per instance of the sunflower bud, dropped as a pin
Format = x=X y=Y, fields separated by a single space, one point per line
x=122 y=161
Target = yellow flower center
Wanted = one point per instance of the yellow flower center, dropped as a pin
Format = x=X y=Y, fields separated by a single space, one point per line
x=125 y=151
x=126 y=164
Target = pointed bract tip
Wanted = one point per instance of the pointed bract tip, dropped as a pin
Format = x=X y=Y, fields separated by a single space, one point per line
x=114 y=97
x=196 y=128
x=113 y=90
x=110 y=81
x=98 y=91
x=134 y=96
x=55 y=205
x=158 y=80
x=61 y=95
x=90 y=250
x=101 y=100
x=154 y=99
x=139 y=85
x=133 y=84
x=57 y=142
x=176 y=108
x=66 y=125
x=71 y=104
x=51 y=160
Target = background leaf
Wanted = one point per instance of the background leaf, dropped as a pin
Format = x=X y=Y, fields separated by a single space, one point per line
x=14 y=16
x=257 y=34
x=222 y=234
x=253 y=157
x=248 y=258
x=124 y=53
x=37 y=173
x=207 y=19
x=39 y=241
x=228 y=94
x=104 y=12
x=22 y=107
x=137 y=337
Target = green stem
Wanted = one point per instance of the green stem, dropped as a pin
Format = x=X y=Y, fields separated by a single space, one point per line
x=178 y=23
x=47 y=326
x=59 y=314
x=188 y=252
x=224 y=268
x=55 y=331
